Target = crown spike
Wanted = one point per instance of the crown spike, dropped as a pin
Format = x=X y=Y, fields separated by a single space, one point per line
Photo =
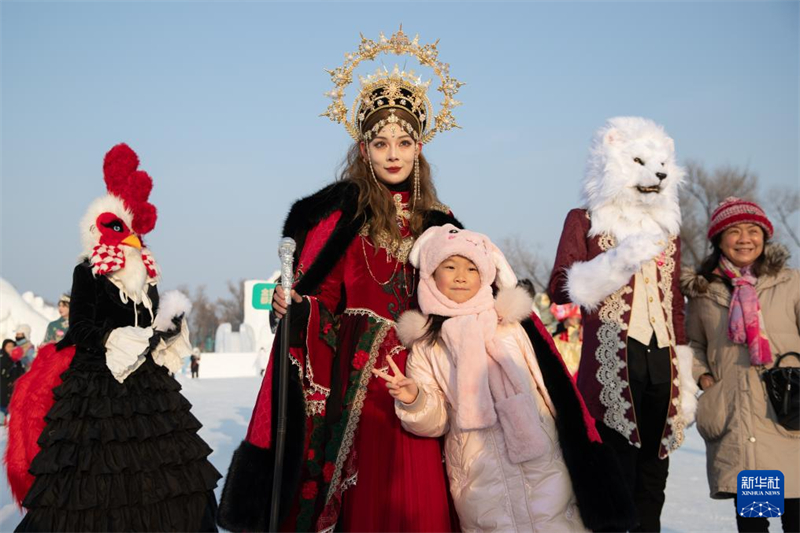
x=397 y=87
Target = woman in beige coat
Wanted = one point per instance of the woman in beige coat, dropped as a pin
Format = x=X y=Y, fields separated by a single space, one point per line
x=734 y=416
x=522 y=451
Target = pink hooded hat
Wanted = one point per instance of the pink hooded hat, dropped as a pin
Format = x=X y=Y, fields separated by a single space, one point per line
x=440 y=242
x=489 y=386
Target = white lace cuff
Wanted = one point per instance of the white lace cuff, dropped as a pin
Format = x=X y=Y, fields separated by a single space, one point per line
x=170 y=353
x=125 y=349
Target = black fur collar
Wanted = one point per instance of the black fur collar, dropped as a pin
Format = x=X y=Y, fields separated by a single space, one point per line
x=309 y=211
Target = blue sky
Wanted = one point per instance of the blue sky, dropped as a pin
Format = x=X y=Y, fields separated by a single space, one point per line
x=222 y=103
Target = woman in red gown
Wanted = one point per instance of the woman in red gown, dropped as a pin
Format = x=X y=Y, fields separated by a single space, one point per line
x=349 y=464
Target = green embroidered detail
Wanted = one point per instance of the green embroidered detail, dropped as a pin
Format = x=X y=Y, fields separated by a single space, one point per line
x=402 y=293
x=328 y=327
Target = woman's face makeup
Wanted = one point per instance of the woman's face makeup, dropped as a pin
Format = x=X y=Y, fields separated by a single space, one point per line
x=391 y=152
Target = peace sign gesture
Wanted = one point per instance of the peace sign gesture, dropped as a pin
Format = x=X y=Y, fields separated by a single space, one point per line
x=400 y=387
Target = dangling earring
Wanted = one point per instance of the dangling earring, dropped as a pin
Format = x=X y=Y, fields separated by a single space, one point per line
x=416 y=182
x=371 y=170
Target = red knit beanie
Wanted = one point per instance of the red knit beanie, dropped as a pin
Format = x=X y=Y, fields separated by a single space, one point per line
x=732 y=211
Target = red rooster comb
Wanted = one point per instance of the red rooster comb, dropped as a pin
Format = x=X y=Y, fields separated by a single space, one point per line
x=131 y=185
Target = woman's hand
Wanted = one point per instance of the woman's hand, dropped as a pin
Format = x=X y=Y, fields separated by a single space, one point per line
x=706 y=381
x=400 y=387
x=279 y=301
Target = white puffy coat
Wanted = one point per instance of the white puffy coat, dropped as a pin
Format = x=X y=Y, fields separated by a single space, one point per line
x=490 y=492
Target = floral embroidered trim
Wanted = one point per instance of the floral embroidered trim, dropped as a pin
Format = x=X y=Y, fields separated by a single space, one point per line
x=296 y=363
x=367 y=312
x=665 y=284
x=314 y=407
x=350 y=482
x=358 y=403
x=316 y=395
x=394 y=351
x=610 y=313
x=673 y=440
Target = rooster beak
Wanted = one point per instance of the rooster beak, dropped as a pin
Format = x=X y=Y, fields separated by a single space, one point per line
x=132 y=240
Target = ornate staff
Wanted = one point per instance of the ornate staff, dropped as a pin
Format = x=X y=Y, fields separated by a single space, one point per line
x=286 y=254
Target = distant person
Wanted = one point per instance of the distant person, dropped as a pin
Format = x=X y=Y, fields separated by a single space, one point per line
x=25 y=351
x=57 y=329
x=541 y=305
x=743 y=313
x=568 y=336
x=195 y=363
x=10 y=370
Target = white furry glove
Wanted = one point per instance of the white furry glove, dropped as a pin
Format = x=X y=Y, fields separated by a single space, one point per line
x=170 y=352
x=686 y=384
x=170 y=323
x=125 y=350
x=591 y=282
x=636 y=249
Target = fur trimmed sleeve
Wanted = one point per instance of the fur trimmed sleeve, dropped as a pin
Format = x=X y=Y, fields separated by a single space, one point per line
x=572 y=248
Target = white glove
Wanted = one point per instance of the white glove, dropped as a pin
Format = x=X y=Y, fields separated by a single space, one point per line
x=634 y=250
x=170 y=353
x=125 y=350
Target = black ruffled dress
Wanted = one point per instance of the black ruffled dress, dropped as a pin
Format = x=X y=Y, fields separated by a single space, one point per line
x=117 y=456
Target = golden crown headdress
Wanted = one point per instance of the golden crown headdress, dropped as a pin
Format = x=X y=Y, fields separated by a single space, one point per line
x=395 y=89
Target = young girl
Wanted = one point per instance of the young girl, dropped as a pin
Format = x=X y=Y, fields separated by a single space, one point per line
x=522 y=453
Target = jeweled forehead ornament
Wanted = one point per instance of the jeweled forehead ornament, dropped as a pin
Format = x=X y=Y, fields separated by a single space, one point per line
x=395 y=89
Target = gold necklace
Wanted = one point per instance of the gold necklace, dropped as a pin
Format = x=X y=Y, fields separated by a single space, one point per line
x=366 y=260
x=394 y=271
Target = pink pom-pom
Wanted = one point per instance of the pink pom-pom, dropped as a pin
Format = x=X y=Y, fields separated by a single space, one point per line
x=138 y=188
x=144 y=217
x=118 y=164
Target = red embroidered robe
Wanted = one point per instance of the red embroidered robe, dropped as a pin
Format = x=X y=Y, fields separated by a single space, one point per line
x=357 y=459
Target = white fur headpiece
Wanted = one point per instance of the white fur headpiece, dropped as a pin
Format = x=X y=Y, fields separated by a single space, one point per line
x=632 y=179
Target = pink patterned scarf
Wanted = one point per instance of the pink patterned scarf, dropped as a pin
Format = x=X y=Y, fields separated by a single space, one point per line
x=745 y=321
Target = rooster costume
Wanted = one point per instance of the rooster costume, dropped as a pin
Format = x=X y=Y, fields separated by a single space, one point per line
x=349 y=464
x=118 y=448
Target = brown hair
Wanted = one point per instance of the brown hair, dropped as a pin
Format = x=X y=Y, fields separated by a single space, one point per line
x=375 y=199
x=709 y=265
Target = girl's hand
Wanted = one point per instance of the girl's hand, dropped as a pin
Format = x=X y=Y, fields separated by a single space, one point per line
x=400 y=387
x=279 y=301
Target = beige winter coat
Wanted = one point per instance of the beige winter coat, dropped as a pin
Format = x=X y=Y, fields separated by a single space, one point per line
x=734 y=416
x=491 y=493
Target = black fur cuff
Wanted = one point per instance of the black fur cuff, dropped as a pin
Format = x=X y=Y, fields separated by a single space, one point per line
x=246 y=497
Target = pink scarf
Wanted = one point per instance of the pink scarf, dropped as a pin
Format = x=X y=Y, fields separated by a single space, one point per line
x=745 y=320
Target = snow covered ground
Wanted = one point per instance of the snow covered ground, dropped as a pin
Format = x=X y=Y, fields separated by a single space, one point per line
x=224 y=405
